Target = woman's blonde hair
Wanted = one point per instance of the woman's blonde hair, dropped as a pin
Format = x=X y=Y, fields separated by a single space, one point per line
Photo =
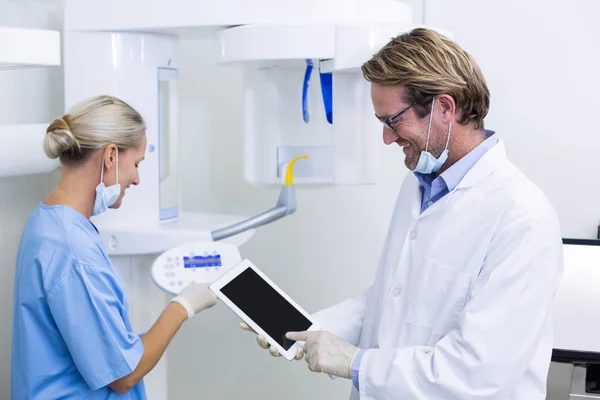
x=427 y=63
x=91 y=125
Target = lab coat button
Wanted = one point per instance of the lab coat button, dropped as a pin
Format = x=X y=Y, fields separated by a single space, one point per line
x=397 y=290
x=413 y=234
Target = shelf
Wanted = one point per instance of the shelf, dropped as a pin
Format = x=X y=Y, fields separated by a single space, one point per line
x=27 y=48
x=23 y=151
x=155 y=238
x=181 y=16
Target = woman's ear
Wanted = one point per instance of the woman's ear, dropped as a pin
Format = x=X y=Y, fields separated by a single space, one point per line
x=110 y=156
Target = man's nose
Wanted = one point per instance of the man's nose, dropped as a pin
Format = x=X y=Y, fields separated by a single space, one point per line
x=389 y=136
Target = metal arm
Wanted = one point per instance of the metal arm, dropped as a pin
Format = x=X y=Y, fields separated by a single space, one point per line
x=286 y=205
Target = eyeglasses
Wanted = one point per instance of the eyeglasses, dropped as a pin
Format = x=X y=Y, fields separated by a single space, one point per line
x=391 y=120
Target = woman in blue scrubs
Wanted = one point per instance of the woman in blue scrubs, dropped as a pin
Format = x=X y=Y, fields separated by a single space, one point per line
x=72 y=337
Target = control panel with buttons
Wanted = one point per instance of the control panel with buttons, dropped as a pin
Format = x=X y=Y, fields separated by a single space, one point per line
x=202 y=262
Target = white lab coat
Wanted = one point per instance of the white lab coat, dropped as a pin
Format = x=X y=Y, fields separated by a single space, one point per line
x=460 y=307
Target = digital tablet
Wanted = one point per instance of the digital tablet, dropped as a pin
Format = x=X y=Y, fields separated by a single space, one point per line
x=263 y=306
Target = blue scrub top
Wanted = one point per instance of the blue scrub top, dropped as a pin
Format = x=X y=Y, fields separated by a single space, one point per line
x=71 y=330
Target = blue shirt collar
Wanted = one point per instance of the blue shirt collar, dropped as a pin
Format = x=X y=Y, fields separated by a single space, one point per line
x=453 y=175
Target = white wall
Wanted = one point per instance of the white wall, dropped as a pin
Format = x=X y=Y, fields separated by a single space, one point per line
x=26 y=96
x=540 y=72
x=541 y=64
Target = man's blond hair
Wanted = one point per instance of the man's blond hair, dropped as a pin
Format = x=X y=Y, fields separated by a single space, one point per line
x=427 y=63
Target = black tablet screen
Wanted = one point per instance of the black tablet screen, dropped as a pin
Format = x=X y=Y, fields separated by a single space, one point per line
x=258 y=300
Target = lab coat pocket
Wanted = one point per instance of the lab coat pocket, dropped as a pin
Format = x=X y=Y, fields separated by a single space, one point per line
x=438 y=298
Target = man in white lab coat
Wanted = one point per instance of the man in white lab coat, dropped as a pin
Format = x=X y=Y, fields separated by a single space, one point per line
x=460 y=307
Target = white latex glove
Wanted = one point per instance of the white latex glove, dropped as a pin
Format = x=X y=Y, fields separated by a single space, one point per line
x=327 y=353
x=195 y=297
x=262 y=342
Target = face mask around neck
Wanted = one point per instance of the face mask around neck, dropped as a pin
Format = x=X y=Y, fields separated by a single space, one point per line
x=428 y=163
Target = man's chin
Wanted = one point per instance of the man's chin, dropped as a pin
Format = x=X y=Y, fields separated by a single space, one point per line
x=410 y=165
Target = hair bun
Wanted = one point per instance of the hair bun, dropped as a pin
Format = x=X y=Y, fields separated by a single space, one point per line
x=59 y=138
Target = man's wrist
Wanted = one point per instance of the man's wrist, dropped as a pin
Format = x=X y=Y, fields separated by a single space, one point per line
x=356 y=367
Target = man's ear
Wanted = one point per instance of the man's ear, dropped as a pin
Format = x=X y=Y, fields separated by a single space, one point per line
x=445 y=103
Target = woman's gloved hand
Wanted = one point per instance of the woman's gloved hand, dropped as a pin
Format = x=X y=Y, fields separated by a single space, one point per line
x=195 y=297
